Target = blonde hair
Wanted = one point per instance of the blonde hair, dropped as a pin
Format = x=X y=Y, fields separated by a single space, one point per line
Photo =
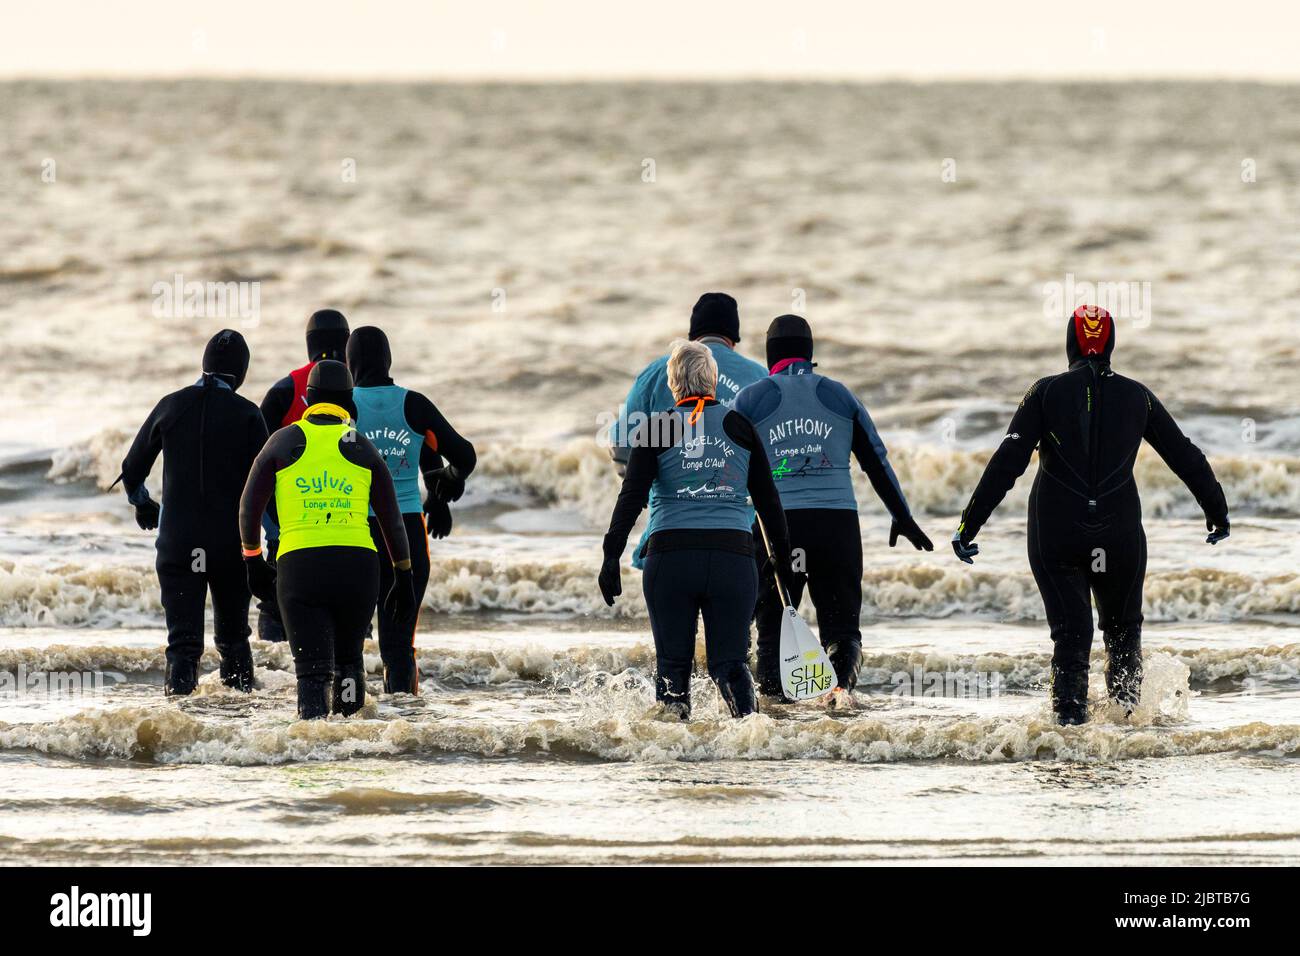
x=692 y=370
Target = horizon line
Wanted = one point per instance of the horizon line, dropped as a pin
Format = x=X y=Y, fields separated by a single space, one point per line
x=623 y=79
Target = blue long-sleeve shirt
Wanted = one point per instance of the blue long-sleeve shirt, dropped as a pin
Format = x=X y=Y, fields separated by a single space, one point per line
x=810 y=425
x=650 y=394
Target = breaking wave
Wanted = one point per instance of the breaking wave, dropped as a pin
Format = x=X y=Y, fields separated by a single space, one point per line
x=70 y=595
x=122 y=595
x=572 y=667
x=170 y=736
x=937 y=480
x=97 y=459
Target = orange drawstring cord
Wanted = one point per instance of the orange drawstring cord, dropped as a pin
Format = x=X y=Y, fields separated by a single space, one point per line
x=699 y=406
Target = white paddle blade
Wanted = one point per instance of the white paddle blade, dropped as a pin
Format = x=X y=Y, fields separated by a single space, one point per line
x=806 y=671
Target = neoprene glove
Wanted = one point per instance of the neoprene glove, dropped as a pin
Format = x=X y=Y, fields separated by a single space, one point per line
x=146 y=513
x=610 y=580
x=445 y=484
x=437 y=517
x=965 y=550
x=793 y=581
x=399 y=603
x=1216 y=515
x=910 y=530
x=1218 y=528
x=261 y=578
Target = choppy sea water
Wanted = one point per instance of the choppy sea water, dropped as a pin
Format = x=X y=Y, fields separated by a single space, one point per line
x=526 y=260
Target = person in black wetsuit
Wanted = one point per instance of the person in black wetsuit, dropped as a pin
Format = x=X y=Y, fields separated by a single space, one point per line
x=285 y=401
x=394 y=419
x=324 y=477
x=208 y=437
x=812 y=427
x=701 y=463
x=1085 y=518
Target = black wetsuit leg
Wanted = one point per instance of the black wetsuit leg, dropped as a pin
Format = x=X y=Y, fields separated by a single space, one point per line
x=228 y=584
x=1117 y=586
x=672 y=588
x=1061 y=575
x=678 y=586
x=834 y=553
x=397 y=644
x=831 y=543
x=184 y=593
x=731 y=588
x=327 y=596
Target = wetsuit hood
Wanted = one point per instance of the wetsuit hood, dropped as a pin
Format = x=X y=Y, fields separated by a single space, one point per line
x=789 y=337
x=226 y=356
x=331 y=383
x=715 y=313
x=1090 y=335
x=369 y=357
x=327 y=335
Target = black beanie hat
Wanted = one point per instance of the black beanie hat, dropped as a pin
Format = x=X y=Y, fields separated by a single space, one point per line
x=715 y=313
x=1090 y=334
x=369 y=357
x=330 y=381
x=327 y=335
x=226 y=355
x=789 y=336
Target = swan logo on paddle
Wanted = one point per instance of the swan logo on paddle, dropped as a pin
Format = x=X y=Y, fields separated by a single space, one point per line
x=806 y=671
x=812 y=678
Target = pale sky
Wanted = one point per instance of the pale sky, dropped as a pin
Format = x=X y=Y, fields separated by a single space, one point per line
x=599 y=39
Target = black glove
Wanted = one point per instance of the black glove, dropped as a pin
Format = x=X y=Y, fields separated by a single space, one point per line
x=910 y=530
x=610 y=580
x=437 y=517
x=783 y=564
x=964 y=549
x=261 y=578
x=445 y=484
x=1218 y=528
x=399 y=603
x=146 y=513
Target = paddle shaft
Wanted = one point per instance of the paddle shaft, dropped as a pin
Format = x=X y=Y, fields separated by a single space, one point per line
x=767 y=545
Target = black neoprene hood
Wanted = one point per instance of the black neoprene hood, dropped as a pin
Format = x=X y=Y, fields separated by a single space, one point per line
x=327 y=335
